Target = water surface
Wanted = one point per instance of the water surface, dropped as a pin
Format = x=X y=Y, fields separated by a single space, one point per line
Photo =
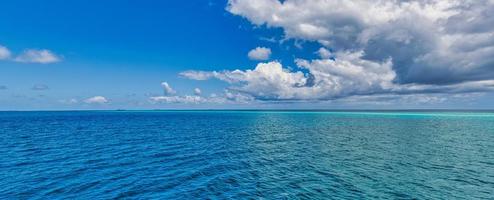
x=246 y=154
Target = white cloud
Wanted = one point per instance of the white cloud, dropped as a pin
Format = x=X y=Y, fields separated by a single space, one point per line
x=197 y=91
x=326 y=20
x=424 y=51
x=96 y=100
x=324 y=53
x=178 y=99
x=198 y=75
x=236 y=97
x=267 y=80
x=428 y=41
x=347 y=75
x=42 y=56
x=167 y=89
x=4 y=53
x=259 y=53
x=227 y=97
x=344 y=76
x=273 y=71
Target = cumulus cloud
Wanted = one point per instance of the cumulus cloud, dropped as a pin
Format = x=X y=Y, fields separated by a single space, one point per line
x=167 y=89
x=3 y=87
x=326 y=79
x=426 y=48
x=259 y=53
x=4 y=53
x=42 y=56
x=324 y=53
x=348 y=74
x=40 y=87
x=96 y=100
x=428 y=41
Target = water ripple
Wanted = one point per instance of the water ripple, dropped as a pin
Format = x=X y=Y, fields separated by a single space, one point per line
x=246 y=155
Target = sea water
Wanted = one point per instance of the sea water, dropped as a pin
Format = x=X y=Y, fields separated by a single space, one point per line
x=246 y=154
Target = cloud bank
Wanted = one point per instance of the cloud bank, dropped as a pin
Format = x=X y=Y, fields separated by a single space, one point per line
x=227 y=97
x=428 y=41
x=384 y=47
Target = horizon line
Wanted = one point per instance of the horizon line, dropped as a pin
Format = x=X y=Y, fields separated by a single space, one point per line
x=274 y=110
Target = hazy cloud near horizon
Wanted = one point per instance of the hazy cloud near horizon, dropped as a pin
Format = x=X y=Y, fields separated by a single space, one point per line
x=40 y=87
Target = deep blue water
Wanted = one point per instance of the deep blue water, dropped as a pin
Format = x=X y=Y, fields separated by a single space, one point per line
x=234 y=154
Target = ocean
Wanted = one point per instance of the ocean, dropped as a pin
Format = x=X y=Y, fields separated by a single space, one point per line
x=247 y=155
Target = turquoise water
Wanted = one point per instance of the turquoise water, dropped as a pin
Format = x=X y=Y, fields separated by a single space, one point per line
x=246 y=154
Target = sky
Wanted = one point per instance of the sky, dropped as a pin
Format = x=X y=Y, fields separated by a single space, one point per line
x=246 y=54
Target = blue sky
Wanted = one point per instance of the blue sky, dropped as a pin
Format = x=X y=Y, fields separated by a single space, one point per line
x=118 y=55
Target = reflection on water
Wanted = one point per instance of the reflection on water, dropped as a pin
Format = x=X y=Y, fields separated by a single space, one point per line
x=228 y=154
